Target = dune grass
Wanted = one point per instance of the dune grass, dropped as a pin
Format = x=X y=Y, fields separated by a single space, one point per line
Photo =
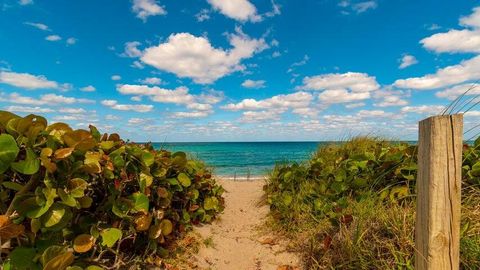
x=352 y=206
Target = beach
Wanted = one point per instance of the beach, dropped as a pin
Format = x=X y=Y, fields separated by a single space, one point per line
x=239 y=239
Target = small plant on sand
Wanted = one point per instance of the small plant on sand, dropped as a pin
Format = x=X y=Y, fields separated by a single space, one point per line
x=79 y=199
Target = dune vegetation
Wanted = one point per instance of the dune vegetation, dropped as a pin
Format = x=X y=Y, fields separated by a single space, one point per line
x=80 y=199
x=352 y=206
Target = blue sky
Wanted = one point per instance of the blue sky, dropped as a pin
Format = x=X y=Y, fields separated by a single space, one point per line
x=238 y=70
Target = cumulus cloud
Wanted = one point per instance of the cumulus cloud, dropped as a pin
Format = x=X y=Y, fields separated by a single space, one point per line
x=147 y=8
x=364 y=6
x=40 y=26
x=131 y=49
x=152 y=81
x=194 y=114
x=254 y=84
x=341 y=87
x=358 y=7
x=89 y=88
x=390 y=98
x=457 y=41
x=180 y=95
x=240 y=10
x=407 y=60
x=423 y=109
x=50 y=99
x=71 y=41
x=113 y=104
x=29 y=81
x=453 y=92
x=25 y=2
x=283 y=102
x=260 y=116
x=465 y=71
x=72 y=110
x=26 y=109
x=116 y=77
x=193 y=57
x=199 y=104
x=203 y=15
x=53 y=38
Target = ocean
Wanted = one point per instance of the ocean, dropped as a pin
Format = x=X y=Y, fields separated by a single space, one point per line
x=243 y=160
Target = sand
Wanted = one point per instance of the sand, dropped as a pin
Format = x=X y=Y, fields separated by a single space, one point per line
x=238 y=240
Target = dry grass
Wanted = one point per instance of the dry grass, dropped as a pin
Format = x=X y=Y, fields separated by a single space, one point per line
x=381 y=236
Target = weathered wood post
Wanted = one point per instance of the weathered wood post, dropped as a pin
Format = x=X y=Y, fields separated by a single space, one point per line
x=437 y=229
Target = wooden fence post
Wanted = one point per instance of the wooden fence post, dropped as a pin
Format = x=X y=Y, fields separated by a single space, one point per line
x=437 y=229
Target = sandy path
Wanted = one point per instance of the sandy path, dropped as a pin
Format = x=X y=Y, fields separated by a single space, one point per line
x=238 y=244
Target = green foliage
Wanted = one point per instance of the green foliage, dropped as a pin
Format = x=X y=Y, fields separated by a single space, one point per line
x=77 y=199
x=324 y=195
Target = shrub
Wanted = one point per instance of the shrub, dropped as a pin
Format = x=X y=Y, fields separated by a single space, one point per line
x=354 y=204
x=79 y=199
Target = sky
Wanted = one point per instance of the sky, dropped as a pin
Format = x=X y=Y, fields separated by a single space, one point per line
x=239 y=70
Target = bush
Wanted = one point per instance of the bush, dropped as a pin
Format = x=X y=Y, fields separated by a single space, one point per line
x=77 y=199
x=346 y=200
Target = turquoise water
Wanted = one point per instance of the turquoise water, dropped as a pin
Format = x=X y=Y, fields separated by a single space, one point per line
x=243 y=160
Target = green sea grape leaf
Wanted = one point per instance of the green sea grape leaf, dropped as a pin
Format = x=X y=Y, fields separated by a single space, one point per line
x=5 y=117
x=148 y=158
x=30 y=165
x=141 y=202
x=50 y=253
x=107 y=145
x=60 y=262
x=166 y=226
x=12 y=186
x=76 y=187
x=21 y=258
x=54 y=215
x=110 y=236
x=210 y=203
x=184 y=180
x=8 y=151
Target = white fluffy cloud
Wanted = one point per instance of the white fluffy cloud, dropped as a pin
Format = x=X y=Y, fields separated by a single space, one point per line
x=465 y=71
x=201 y=105
x=116 y=77
x=53 y=38
x=127 y=107
x=71 y=41
x=89 y=88
x=356 y=82
x=423 y=109
x=152 y=81
x=50 y=99
x=283 y=102
x=260 y=116
x=147 y=8
x=194 y=114
x=454 y=41
x=25 y=2
x=132 y=50
x=390 y=98
x=341 y=87
x=453 y=92
x=253 y=84
x=40 y=26
x=364 y=6
x=29 y=81
x=240 y=10
x=26 y=109
x=180 y=95
x=193 y=57
x=407 y=60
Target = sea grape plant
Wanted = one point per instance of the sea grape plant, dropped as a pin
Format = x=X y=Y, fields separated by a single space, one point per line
x=338 y=173
x=79 y=199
